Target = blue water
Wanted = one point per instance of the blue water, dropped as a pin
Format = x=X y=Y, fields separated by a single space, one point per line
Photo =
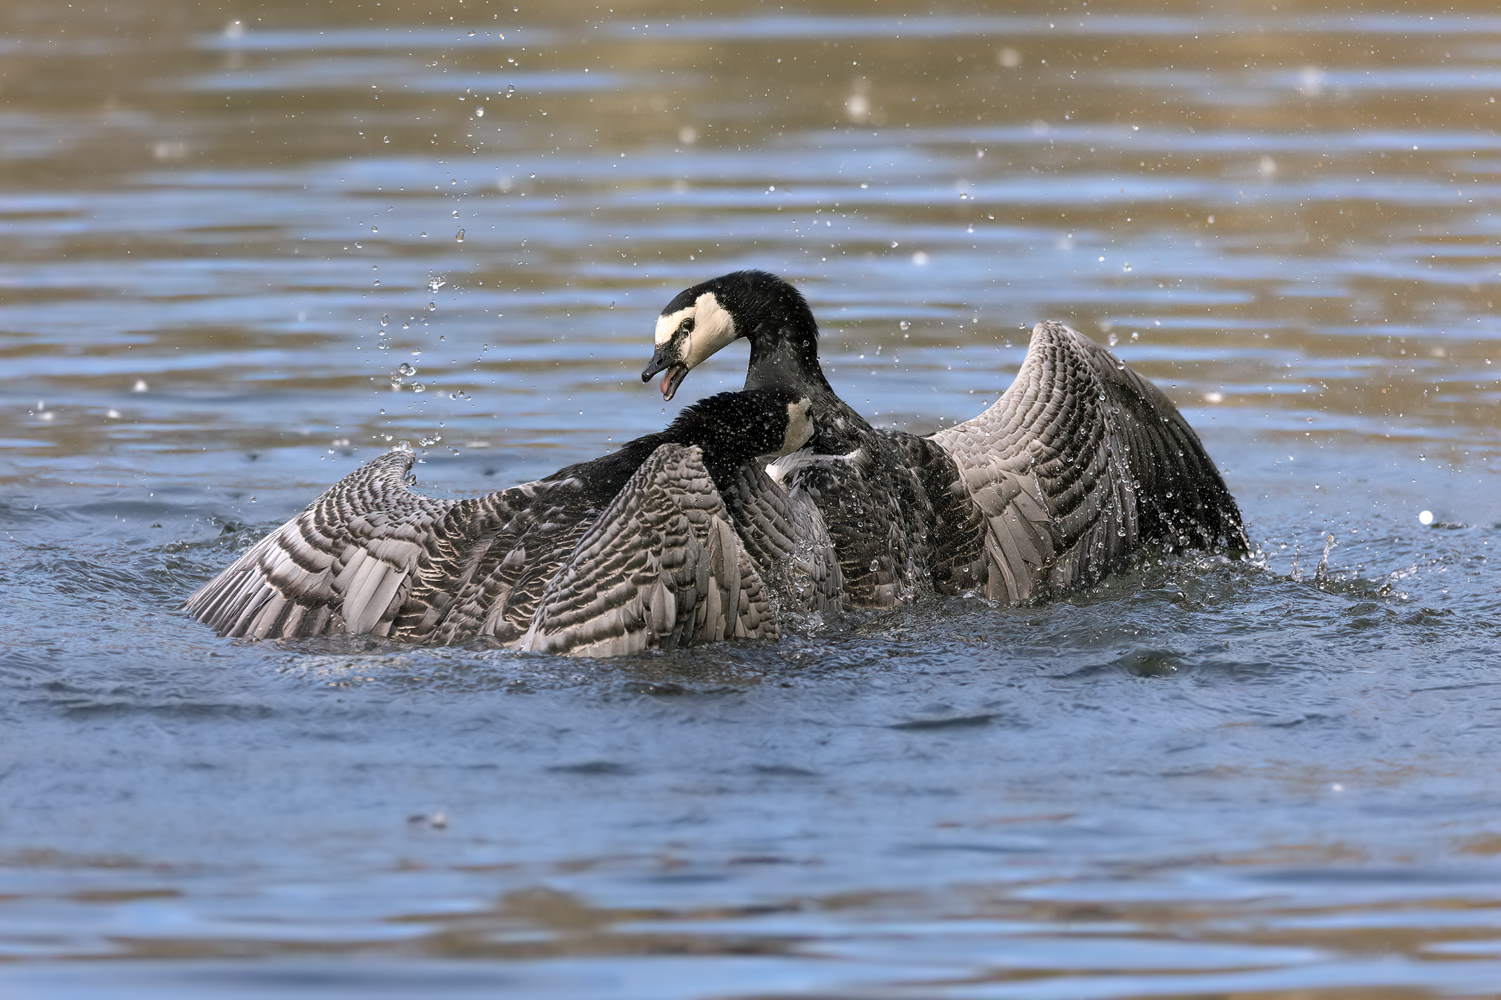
x=1270 y=777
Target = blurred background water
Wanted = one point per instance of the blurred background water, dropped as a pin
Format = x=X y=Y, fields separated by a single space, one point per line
x=248 y=246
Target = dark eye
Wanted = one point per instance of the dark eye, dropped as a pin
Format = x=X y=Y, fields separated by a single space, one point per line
x=686 y=326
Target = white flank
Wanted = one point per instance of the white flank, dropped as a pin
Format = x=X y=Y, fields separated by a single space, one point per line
x=789 y=464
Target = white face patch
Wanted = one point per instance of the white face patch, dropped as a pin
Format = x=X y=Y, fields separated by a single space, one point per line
x=799 y=426
x=668 y=325
x=686 y=337
x=713 y=328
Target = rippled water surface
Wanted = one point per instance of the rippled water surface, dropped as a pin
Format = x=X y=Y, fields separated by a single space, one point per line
x=226 y=229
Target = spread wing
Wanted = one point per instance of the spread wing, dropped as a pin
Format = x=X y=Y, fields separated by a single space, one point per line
x=343 y=565
x=787 y=539
x=1078 y=463
x=661 y=567
x=491 y=560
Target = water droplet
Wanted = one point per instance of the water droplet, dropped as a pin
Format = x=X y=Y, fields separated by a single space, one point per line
x=406 y=369
x=459 y=236
x=386 y=139
x=375 y=229
x=140 y=386
x=875 y=564
x=471 y=34
x=510 y=89
x=385 y=320
x=1426 y=517
x=376 y=283
x=432 y=307
x=1112 y=340
x=479 y=112
x=904 y=325
x=434 y=283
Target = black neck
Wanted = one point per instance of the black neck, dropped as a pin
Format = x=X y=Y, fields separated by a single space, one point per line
x=782 y=357
x=775 y=318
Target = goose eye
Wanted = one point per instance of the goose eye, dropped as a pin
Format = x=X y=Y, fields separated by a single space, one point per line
x=686 y=326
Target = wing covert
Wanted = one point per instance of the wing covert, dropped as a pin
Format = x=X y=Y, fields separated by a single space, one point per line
x=678 y=573
x=342 y=565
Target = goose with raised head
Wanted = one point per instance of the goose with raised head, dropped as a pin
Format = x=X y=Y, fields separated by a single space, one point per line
x=868 y=484
x=641 y=548
x=1076 y=466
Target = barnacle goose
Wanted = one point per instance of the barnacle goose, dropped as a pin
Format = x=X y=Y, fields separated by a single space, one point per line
x=1077 y=465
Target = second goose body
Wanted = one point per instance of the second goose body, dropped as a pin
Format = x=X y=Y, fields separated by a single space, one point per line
x=638 y=549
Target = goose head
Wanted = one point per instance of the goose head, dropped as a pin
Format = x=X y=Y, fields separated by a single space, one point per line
x=756 y=305
x=735 y=427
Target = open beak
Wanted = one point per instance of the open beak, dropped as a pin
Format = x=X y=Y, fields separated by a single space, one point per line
x=666 y=358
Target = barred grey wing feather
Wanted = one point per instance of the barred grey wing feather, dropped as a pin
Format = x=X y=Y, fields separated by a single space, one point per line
x=492 y=560
x=342 y=565
x=661 y=567
x=785 y=536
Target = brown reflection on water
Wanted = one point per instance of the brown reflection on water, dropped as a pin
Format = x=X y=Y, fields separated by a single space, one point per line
x=1291 y=209
x=1012 y=934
